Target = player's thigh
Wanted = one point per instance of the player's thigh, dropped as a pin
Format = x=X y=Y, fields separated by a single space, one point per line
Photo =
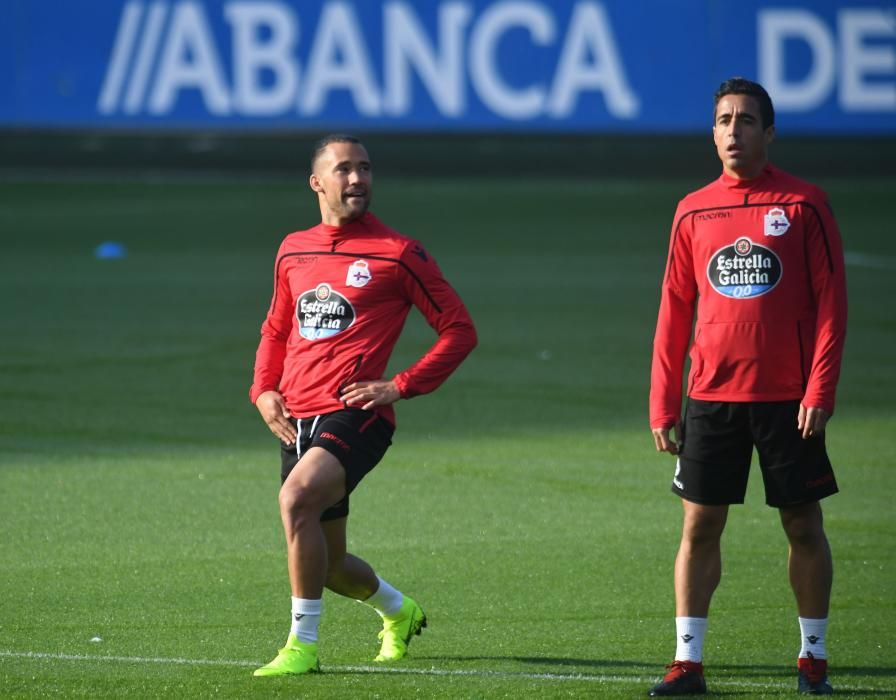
x=290 y=454
x=714 y=463
x=794 y=470
x=357 y=439
x=317 y=480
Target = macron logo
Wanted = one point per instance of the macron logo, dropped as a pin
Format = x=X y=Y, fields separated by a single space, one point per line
x=335 y=438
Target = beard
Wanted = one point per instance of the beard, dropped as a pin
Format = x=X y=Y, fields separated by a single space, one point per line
x=355 y=207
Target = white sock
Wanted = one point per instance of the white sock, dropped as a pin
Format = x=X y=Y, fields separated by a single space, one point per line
x=689 y=632
x=305 y=618
x=385 y=599
x=812 y=633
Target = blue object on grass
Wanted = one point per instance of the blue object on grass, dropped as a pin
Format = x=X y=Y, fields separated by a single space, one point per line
x=110 y=250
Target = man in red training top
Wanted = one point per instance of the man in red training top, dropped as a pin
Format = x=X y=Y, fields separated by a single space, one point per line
x=342 y=291
x=758 y=253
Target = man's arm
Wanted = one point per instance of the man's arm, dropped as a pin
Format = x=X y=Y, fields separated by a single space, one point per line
x=270 y=358
x=444 y=311
x=828 y=275
x=673 y=332
x=427 y=289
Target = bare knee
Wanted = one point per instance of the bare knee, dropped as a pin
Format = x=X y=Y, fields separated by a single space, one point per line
x=804 y=525
x=703 y=525
x=299 y=504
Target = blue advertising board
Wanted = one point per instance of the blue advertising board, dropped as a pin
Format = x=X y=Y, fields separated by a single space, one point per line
x=443 y=65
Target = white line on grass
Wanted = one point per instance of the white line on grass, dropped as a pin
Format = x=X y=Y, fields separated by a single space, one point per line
x=592 y=678
x=124 y=659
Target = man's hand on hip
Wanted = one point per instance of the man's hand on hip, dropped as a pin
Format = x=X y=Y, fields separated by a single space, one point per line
x=273 y=410
x=366 y=395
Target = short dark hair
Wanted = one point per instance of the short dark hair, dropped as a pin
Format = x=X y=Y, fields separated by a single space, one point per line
x=742 y=86
x=327 y=140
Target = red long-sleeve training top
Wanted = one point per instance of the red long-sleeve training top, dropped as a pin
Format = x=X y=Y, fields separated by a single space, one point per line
x=762 y=261
x=341 y=297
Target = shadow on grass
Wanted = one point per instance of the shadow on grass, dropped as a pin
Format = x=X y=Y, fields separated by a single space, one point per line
x=726 y=672
x=549 y=661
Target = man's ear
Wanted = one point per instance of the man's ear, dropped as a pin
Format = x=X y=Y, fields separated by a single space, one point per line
x=314 y=182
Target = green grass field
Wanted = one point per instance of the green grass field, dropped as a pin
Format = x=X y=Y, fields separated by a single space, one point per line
x=522 y=504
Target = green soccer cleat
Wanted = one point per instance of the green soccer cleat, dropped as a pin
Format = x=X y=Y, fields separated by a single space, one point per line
x=398 y=630
x=293 y=659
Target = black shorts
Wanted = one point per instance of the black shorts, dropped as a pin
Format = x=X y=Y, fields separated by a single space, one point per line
x=358 y=439
x=718 y=439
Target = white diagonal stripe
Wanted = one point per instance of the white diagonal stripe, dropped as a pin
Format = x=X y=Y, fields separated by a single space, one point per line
x=147 y=51
x=118 y=62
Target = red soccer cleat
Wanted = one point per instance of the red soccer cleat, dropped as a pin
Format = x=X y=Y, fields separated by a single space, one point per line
x=813 y=676
x=684 y=678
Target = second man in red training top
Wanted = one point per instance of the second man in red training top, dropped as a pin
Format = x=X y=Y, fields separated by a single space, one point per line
x=758 y=255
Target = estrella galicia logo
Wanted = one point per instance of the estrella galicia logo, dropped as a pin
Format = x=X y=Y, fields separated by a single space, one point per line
x=323 y=312
x=744 y=270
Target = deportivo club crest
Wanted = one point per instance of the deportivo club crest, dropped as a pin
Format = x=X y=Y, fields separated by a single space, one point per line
x=776 y=222
x=744 y=270
x=323 y=312
x=358 y=274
